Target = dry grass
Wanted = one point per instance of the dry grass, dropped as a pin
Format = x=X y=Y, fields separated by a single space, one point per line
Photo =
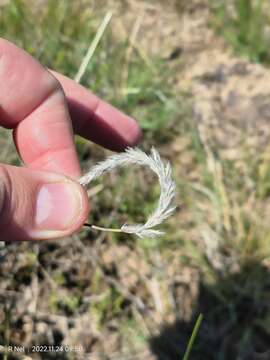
x=115 y=295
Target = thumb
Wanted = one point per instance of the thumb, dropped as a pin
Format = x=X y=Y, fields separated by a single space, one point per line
x=39 y=205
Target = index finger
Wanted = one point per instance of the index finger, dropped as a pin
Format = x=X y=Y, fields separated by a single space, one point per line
x=96 y=120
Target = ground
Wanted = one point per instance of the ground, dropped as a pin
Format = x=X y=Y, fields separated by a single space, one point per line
x=205 y=107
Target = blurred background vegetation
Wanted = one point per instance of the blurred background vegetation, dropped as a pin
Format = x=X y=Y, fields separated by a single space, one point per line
x=186 y=71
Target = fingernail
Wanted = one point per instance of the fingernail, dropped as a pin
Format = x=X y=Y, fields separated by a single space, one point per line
x=58 y=206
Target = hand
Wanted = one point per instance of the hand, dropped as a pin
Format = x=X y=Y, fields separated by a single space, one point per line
x=43 y=200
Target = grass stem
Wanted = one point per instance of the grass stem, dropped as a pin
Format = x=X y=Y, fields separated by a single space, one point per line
x=100 y=228
x=193 y=337
x=93 y=46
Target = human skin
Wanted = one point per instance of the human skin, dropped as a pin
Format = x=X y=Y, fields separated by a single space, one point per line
x=43 y=200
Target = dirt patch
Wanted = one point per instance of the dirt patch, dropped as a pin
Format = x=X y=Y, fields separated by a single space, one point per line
x=231 y=96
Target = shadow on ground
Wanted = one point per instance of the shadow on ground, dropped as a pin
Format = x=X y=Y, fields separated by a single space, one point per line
x=236 y=323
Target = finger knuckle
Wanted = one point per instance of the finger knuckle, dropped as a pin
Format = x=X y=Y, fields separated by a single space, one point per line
x=5 y=195
x=53 y=83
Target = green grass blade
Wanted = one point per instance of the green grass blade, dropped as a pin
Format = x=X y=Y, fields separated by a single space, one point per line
x=193 y=337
